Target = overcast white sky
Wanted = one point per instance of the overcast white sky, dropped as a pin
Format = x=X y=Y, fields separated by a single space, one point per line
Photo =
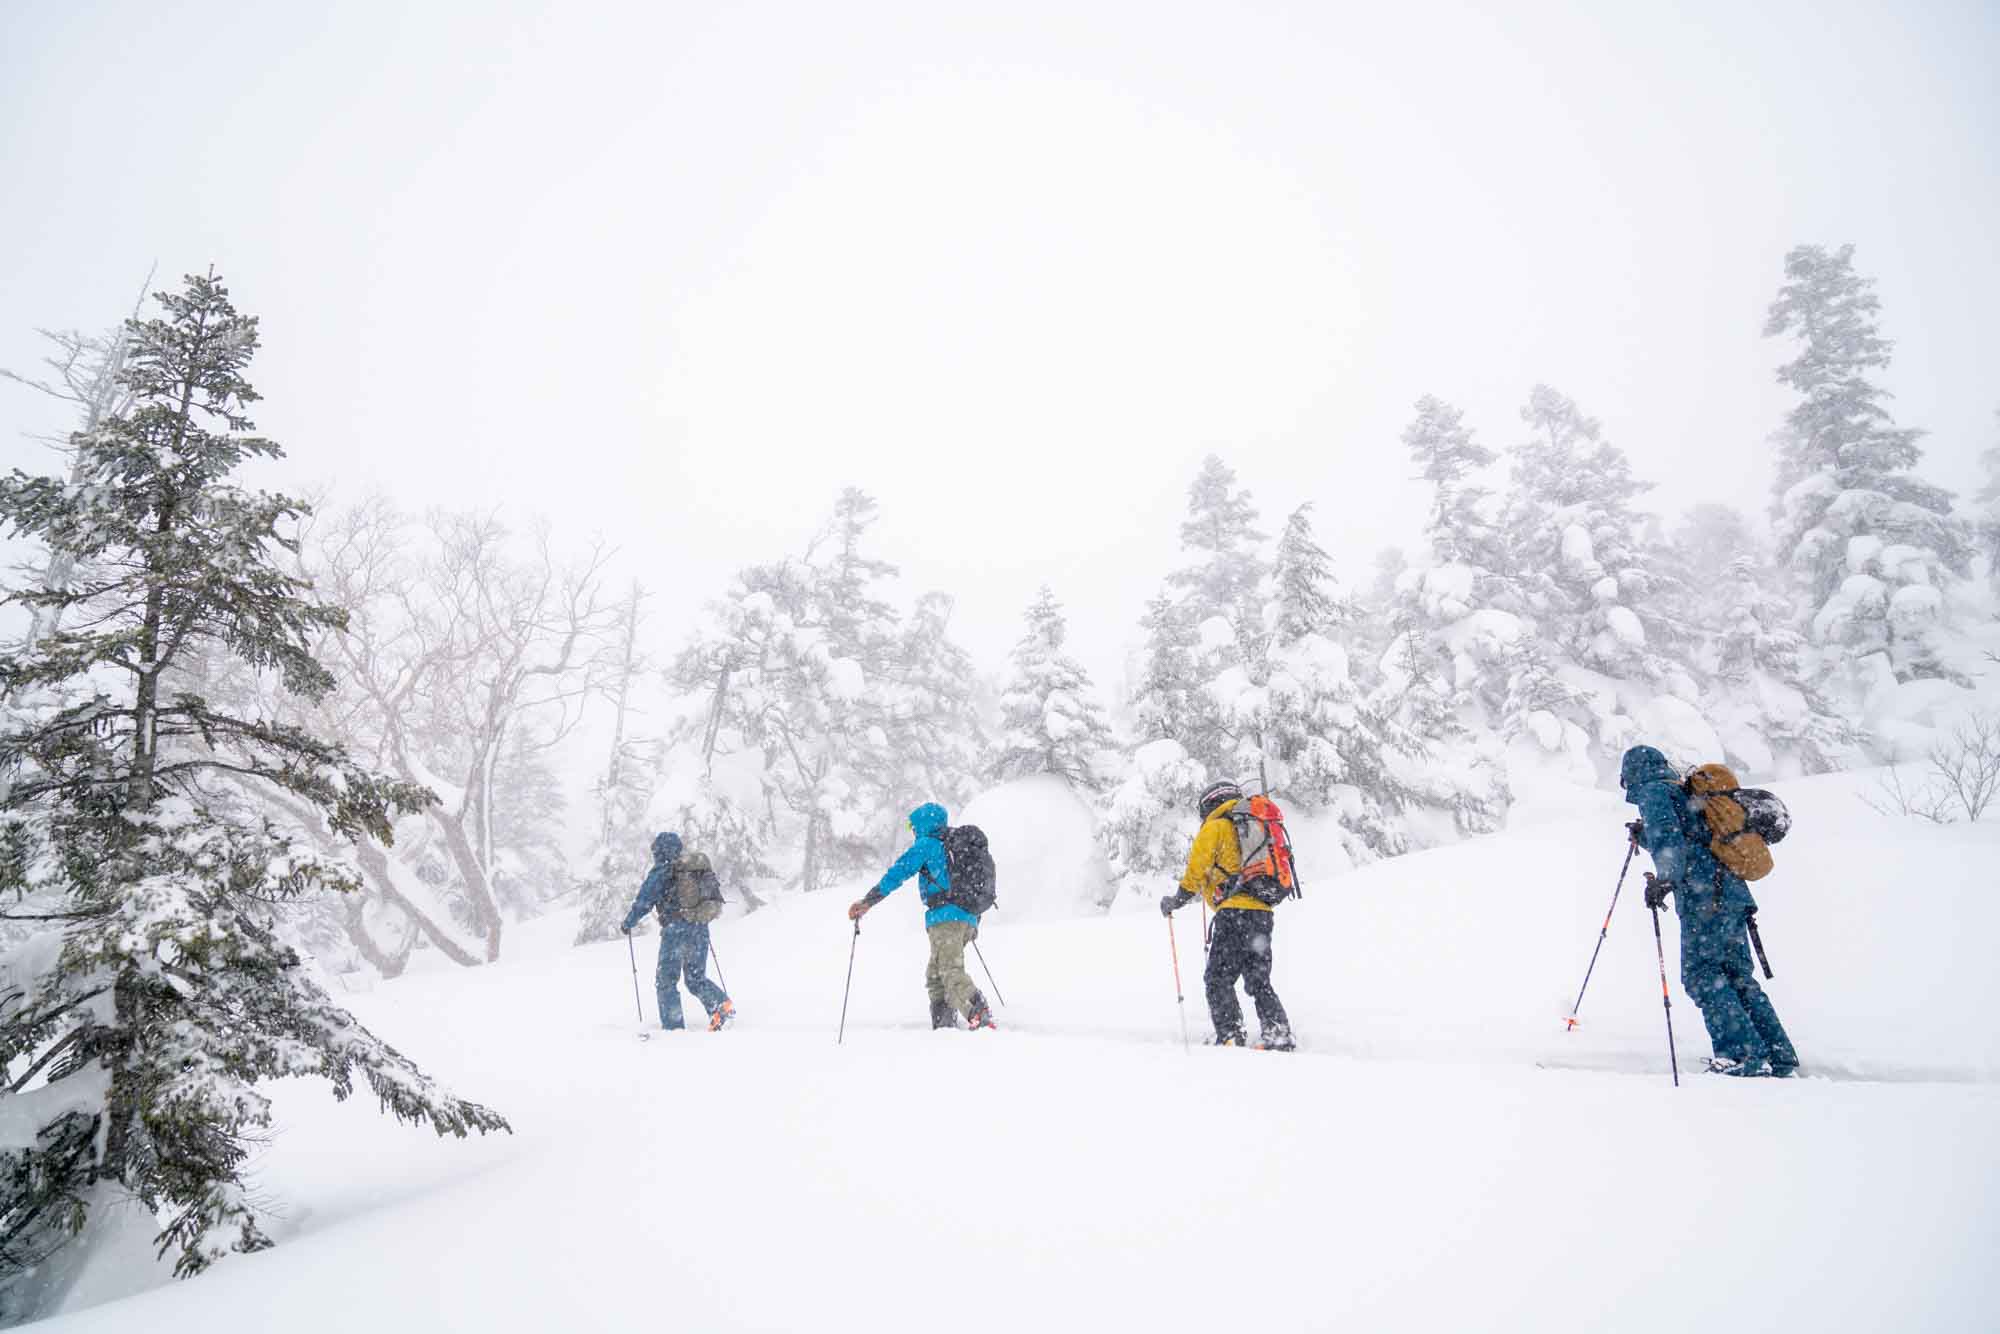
x=678 y=272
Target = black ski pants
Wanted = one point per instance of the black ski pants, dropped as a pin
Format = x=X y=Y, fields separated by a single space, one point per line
x=1239 y=946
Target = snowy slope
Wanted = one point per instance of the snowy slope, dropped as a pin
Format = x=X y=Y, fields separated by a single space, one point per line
x=1412 y=1169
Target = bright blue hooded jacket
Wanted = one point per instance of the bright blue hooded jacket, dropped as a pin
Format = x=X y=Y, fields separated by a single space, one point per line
x=926 y=860
x=1710 y=901
x=666 y=851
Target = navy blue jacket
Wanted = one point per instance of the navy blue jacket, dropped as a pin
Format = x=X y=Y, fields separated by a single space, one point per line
x=1711 y=901
x=666 y=851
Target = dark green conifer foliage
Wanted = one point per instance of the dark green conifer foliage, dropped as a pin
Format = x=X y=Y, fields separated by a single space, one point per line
x=161 y=991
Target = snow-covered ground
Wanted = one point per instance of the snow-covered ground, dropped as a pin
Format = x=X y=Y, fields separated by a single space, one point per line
x=1442 y=1155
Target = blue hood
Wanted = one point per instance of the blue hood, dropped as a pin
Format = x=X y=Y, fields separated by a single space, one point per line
x=1643 y=765
x=928 y=820
x=666 y=847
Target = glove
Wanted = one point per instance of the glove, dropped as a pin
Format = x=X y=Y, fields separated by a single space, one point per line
x=1657 y=891
x=1637 y=829
x=1178 y=899
x=857 y=909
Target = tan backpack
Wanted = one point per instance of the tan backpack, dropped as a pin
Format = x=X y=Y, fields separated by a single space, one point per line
x=1742 y=822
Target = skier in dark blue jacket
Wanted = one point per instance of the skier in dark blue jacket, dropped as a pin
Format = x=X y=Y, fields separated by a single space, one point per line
x=683 y=944
x=1714 y=907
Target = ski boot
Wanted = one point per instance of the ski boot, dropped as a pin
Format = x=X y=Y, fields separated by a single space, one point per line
x=1738 y=1069
x=981 y=1017
x=942 y=1015
x=725 y=1013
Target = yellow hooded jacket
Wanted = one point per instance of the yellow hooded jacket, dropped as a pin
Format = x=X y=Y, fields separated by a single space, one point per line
x=1214 y=861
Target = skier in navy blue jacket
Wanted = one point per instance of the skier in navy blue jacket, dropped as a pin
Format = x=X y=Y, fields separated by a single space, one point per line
x=1714 y=907
x=683 y=944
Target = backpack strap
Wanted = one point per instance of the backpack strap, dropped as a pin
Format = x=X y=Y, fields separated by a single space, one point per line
x=927 y=887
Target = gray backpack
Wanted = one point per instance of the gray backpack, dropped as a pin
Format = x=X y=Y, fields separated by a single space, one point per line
x=694 y=894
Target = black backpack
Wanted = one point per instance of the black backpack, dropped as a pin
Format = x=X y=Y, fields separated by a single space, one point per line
x=970 y=864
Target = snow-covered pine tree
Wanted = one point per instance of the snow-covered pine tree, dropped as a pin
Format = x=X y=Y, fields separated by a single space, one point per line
x=1453 y=615
x=1326 y=747
x=1161 y=701
x=1050 y=723
x=1722 y=585
x=1219 y=602
x=1150 y=819
x=1445 y=671
x=1220 y=532
x=1870 y=547
x=791 y=685
x=1448 y=457
x=930 y=705
x=140 y=1026
x=1574 y=547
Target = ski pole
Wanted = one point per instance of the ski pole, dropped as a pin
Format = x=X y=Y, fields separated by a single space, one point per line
x=1602 y=932
x=851 y=946
x=1180 y=998
x=1666 y=999
x=1758 y=941
x=721 y=981
x=1204 y=927
x=633 y=950
x=989 y=974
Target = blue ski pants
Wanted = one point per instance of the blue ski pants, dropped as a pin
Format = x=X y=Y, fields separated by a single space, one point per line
x=684 y=955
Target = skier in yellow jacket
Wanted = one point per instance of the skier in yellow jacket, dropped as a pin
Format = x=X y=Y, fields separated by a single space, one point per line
x=1239 y=943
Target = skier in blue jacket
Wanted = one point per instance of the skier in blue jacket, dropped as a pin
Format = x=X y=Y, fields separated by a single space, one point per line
x=950 y=927
x=1714 y=906
x=683 y=944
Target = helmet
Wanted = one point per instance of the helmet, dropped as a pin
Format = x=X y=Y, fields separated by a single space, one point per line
x=1216 y=794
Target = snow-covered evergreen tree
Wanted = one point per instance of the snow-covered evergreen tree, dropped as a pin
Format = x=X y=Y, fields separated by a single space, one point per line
x=1150 y=819
x=1723 y=589
x=1050 y=723
x=139 y=1029
x=1220 y=533
x=1453 y=627
x=1445 y=670
x=1326 y=747
x=1450 y=459
x=1162 y=707
x=1221 y=611
x=809 y=703
x=1574 y=547
x=937 y=743
x=1870 y=546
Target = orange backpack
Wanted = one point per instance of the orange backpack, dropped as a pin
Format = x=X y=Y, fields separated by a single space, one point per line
x=1268 y=872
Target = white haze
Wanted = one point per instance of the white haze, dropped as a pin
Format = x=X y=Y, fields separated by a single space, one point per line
x=677 y=273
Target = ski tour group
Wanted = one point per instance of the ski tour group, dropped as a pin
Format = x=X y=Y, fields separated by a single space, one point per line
x=1707 y=838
